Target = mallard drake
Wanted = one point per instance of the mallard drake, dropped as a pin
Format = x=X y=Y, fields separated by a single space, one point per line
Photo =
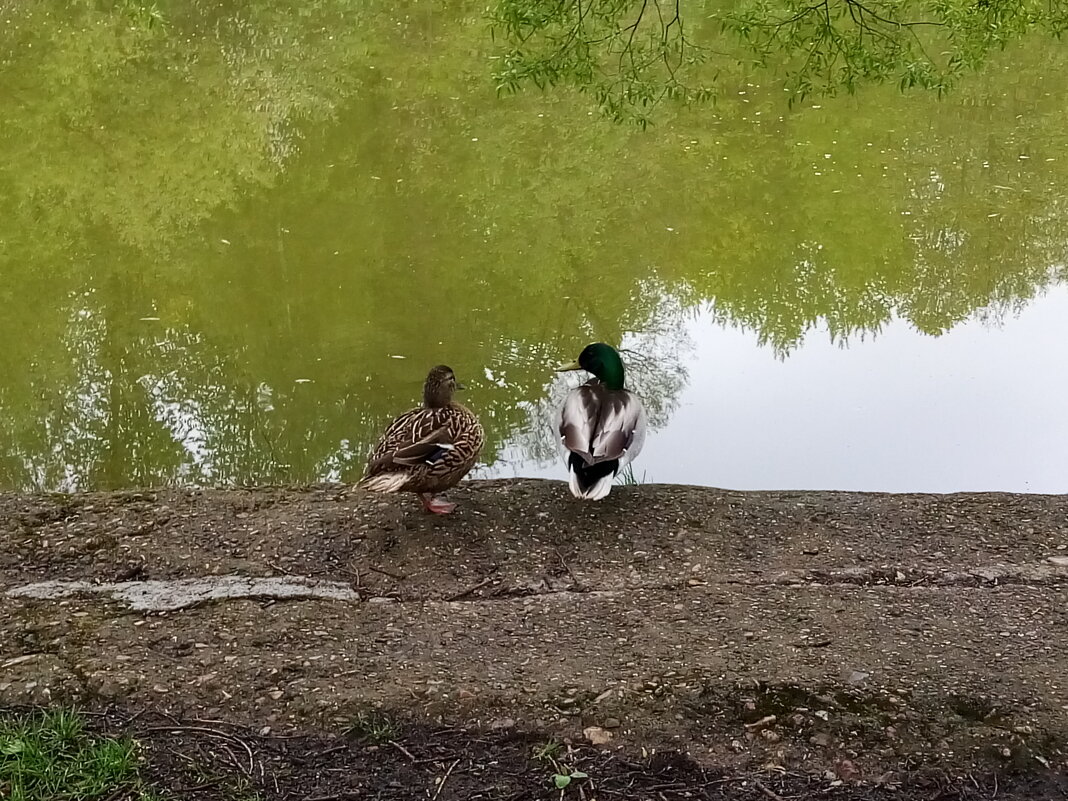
x=428 y=449
x=601 y=424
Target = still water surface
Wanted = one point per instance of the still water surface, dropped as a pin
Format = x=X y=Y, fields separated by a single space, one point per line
x=232 y=244
x=980 y=408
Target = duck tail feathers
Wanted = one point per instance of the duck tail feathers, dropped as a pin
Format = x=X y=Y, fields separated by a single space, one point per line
x=591 y=482
x=385 y=482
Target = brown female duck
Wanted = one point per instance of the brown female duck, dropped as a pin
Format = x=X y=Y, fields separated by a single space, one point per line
x=428 y=449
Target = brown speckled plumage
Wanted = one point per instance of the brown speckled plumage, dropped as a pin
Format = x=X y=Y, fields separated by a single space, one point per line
x=430 y=448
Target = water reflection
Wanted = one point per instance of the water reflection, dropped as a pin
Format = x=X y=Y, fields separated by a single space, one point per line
x=980 y=408
x=232 y=244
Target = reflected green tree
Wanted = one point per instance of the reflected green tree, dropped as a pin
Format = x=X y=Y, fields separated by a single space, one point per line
x=235 y=239
x=630 y=55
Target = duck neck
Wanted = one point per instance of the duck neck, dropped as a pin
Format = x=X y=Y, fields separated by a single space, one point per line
x=436 y=395
x=610 y=372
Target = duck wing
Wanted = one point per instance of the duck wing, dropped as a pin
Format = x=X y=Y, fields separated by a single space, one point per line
x=425 y=450
x=599 y=424
x=421 y=436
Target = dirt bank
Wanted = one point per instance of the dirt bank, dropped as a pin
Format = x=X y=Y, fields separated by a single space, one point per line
x=800 y=631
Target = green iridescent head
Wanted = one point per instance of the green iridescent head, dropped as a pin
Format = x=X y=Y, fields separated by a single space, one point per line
x=603 y=361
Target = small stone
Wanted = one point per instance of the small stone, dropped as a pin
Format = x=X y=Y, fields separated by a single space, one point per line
x=846 y=770
x=612 y=723
x=1060 y=561
x=770 y=736
x=275 y=694
x=503 y=723
x=857 y=677
x=596 y=735
x=821 y=739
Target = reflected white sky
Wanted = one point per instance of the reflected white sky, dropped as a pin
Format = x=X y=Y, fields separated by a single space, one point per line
x=982 y=407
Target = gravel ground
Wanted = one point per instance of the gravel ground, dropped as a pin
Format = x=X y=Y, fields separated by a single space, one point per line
x=783 y=635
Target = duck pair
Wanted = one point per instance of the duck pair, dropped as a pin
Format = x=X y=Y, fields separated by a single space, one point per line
x=601 y=427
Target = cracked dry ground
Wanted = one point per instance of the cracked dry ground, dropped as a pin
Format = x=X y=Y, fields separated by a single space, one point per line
x=790 y=644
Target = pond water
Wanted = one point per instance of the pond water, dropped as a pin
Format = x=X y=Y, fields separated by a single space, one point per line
x=232 y=244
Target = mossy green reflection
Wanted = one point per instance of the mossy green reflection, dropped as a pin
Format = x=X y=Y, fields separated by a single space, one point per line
x=218 y=231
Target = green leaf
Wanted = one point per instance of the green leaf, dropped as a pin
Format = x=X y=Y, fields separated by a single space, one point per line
x=561 y=780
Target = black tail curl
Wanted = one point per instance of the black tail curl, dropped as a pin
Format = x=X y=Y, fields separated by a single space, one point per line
x=589 y=474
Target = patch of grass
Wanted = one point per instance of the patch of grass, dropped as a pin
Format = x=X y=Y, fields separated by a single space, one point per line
x=562 y=780
x=51 y=756
x=373 y=728
x=627 y=477
x=554 y=753
x=548 y=751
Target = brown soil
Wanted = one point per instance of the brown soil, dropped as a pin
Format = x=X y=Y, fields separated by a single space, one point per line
x=210 y=761
x=882 y=632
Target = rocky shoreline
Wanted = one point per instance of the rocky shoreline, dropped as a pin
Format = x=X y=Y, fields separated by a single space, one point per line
x=841 y=637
